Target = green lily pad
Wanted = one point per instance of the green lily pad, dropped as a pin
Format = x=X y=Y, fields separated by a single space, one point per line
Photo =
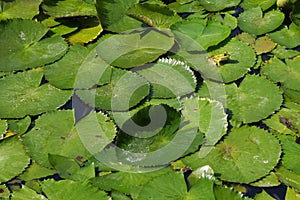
x=61 y=139
x=288 y=177
x=163 y=78
x=254 y=21
x=64 y=190
x=285 y=121
x=62 y=30
x=291 y=157
x=237 y=64
x=284 y=53
x=19 y=126
x=3 y=128
x=26 y=193
x=112 y=15
x=154 y=14
x=19 y=9
x=292 y=194
x=256 y=98
x=36 y=171
x=263 y=196
x=289 y=37
x=206 y=32
x=245 y=155
x=189 y=7
x=23 y=48
x=227 y=193
x=69 y=8
x=264 y=4
x=263 y=45
x=85 y=35
x=13 y=158
x=271 y=180
x=287 y=73
x=21 y=95
x=5 y=193
x=215 y=5
x=135 y=48
x=125 y=90
x=209 y=117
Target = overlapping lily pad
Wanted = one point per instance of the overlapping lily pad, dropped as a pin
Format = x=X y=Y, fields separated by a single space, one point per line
x=28 y=97
x=23 y=48
x=13 y=158
x=256 y=22
x=256 y=98
x=216 y=5
x=288 y=37
x=245 y=155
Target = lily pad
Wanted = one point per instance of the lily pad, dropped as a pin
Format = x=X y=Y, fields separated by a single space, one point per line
x=284 y=53
x=292 y=194
x=289 y=37
x=112 y=15
x=155 y=15
x=245 y=155
x=254 y=21
x=206 y=32
x=264 y=4
x=19 y=9
x=26 y=193
x=271 y=180
x=163 y=78
x=36 y=171
x=240 y=59
x=64 y=190
x=209 y=117
x=288 y=73
x=215 y=5
x=291 y=157
x=125 y=90
x=69 y=8
x=23 y=48
x=288 y=177
x=227 y=193
x=19 y=126
x=256 y=98
x=61 y=139
x=135 y=48
x=13 y=158
x=21 y=95
x=3 y=128
x=85 y=35
x=263 y=45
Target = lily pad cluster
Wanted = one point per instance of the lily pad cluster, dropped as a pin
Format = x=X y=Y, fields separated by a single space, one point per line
x=155 y=99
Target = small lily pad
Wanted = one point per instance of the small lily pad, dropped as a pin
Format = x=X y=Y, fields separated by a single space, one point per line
x=69 y=8
x=13 y=158
x=154 y=14
x=36 y=171
x=215 y=5
x=23 y=48
x=19 y=9
x=26 y=193
x=271 y=180
x=263 y=45
x=19 y=126
x=289 y=37
x=85 y=35
x=112 y=15
x=245 y=155
x=291 y=157
x=64 y=190
x=265 y=4
x=254 y=21
x=287 y=73
x=288 y=177
x=206 y=32
x=256 y=98
x=21 y=95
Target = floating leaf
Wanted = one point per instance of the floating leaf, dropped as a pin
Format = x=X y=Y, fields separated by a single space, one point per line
x=125 y=90
x=240 y=59
x=287 y=73
x=288 y=177
x=135 y=48
x=226 y=193
x=26 y=193
x=5 y=193
x=289 y=37
x=263 y=196
x=255 y=99
x=209 y=117
x=284 y=53
x=263 y=45
x=21 y=95
x=206 y=33
x=19 y=9
x=69 y=8
x=61 y=139
x=163 y=78
x=193 y=6
x=112 y=15
x=245 y=155
x=291 y=157
x=64 y=190
x=19 y=126
x=271 y=180
x=215 y=5
x=154 y=14
x=3 y=128
x=21 y=48
x=36 y=171
x=13 y=158
x=254 y=21
x=291 y=194
x=265 y=4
